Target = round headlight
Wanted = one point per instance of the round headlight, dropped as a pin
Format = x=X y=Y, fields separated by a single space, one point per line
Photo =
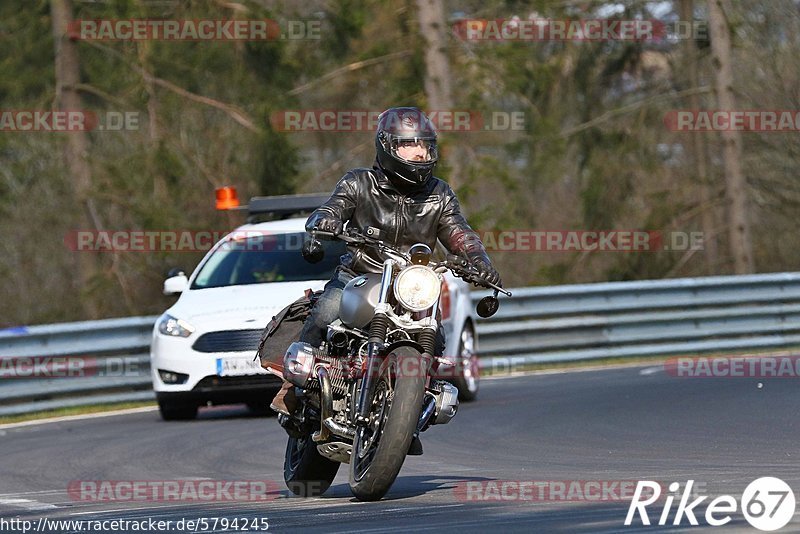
x=417 y=287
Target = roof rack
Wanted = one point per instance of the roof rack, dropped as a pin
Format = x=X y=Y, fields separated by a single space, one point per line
x=284 y=206
x=280 y=206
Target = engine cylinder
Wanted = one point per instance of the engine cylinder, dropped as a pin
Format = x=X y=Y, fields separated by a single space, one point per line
x=298 y=363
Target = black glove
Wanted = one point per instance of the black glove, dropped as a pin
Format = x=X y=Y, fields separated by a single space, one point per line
x=329 y=224
x=487 y=271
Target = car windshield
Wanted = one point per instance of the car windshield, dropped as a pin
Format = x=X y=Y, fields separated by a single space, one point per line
x=265 y=258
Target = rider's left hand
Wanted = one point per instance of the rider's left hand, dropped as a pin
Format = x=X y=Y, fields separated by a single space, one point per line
x=487 y=271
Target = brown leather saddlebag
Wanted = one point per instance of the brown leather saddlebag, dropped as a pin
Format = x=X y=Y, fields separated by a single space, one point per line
x=283 y=330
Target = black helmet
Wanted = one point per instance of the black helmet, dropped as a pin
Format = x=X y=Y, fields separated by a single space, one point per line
x=398 y=128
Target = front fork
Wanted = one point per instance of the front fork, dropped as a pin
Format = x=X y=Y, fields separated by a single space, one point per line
x=375 y=343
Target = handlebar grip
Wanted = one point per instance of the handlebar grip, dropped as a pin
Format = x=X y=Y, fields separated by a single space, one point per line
x=457 y=260
x=322 y=234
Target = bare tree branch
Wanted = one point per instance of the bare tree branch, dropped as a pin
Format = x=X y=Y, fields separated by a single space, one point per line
x=237 y=114
x=608 y=115
x=348 y=68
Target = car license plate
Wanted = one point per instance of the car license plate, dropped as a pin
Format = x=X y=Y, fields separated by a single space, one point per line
x=232 y=366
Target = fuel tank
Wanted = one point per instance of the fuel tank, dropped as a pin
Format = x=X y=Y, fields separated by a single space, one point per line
x=359 y=298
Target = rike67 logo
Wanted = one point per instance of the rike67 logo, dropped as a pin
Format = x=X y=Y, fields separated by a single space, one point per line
x=767 y=503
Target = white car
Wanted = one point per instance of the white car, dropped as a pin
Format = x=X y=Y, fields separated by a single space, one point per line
x=204 y=345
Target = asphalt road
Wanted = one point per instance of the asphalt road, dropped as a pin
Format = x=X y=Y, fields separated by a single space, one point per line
x=609 y=425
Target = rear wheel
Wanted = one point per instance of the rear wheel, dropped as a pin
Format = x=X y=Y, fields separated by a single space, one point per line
x=177 y=411
x=467 y=377
x=380 y=448
x=306 y=472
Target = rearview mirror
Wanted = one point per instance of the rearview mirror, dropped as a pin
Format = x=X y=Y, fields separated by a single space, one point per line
x=176 y=282
x=487 y=306
x=312 y=251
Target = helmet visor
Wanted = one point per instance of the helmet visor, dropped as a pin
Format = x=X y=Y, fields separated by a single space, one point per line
x=413 y=149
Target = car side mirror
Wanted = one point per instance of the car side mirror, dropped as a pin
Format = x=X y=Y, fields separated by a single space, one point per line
x=176 y=282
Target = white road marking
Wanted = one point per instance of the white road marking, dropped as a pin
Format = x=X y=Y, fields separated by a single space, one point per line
x=651 y=370
x=566 y=370
x=27 y=504
x=40 y=492
x=79 y=417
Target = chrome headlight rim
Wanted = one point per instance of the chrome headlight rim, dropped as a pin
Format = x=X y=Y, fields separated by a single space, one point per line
x=435 y=287
x=171 y=326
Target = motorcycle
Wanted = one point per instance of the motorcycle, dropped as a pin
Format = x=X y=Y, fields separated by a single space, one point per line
x=369 y=390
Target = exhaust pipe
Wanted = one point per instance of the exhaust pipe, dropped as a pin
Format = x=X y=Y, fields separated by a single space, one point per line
x=427 y=413
x=326 y=403
x=328 y=425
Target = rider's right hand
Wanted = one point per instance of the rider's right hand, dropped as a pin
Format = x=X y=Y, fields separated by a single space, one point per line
x=329 y=224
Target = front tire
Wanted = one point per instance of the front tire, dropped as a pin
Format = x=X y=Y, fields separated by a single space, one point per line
x=467 y=378
x=379 y=450
x=306 y=472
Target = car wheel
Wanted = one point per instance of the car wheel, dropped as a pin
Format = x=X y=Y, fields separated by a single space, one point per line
x=260 y=408
x=467 y=377
x=173 y=411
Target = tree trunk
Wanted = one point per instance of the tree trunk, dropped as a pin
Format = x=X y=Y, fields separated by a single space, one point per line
x=433 y=27
x=699 y=150
x=76 y=146
x=735 y=183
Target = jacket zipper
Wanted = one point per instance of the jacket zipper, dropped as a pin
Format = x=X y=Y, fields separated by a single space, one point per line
x=398 y=219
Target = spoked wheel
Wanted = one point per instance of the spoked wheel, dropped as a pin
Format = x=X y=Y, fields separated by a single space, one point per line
x=468 y=375
x=380 y=447
x=306 y=472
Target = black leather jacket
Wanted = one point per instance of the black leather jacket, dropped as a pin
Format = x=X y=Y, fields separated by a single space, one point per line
x=368 y=200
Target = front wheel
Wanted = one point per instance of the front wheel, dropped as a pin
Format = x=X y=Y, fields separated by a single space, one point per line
x=467 y=377
x=306 y=472
x=380 y=448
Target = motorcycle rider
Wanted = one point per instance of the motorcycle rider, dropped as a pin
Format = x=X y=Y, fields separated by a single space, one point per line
x=398 y=201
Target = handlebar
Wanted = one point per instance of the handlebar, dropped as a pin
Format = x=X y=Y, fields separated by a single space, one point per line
x=460 y=266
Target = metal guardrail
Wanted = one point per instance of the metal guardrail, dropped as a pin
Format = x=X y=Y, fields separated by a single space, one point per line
x=536 y=325
x=108 y=361
x=626 y=319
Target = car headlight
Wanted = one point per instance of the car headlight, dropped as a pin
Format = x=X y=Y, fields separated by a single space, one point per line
x=170 y=326
x=417 y=287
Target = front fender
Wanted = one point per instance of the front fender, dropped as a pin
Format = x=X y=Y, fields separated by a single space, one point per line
x=402 y=343
x=411 y=367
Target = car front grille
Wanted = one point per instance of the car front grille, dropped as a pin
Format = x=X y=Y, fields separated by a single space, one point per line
x=228 y=341
x=223 y=382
